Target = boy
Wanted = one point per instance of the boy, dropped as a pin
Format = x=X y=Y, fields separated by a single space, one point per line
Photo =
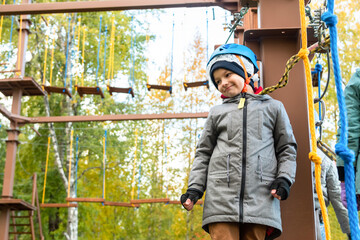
x=246 y=156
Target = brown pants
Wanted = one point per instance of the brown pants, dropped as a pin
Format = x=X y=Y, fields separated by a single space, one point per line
x=237 y=231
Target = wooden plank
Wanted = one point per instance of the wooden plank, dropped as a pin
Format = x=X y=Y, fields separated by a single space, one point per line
x=89 y=90
x=159 y=87
x=150 y=200
x=120 y=5
x=58 y=205
x=118 y=117
x=196 y=84
x=121 y=204
x=61 y=90
x=128 y=90
x=91 y=200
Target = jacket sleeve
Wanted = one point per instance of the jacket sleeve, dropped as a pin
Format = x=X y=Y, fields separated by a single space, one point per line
x=285 y=145
x=334 y=192
x=204 y=150
x=352 y=101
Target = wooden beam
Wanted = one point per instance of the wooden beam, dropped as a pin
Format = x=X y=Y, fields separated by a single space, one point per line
x=119 y=5
x=123 y=117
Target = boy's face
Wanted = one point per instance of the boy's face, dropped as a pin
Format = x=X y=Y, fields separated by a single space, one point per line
x=229 y=83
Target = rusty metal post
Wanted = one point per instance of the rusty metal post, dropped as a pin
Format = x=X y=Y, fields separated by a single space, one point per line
x=274 y=52
x=13 y=133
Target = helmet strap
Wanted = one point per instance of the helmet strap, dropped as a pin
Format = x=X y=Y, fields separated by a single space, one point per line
x=247 y=78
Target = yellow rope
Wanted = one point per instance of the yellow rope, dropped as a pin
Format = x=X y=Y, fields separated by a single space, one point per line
x=78 y=49
x=19 y=53
x=52 y=57
x=112 y=47
x=134 y=167
x=45 y=58
x=1 y=21
x=70 y=158
x=83 y=57
x=104 y=166
x=290 y=64
x=46 y=168
x=303 y=53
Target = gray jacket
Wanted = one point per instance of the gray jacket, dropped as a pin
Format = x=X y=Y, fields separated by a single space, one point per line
x=240 y=153
x=330 y=186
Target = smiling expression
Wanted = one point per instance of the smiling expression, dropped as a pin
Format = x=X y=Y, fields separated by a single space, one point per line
x=229 y=83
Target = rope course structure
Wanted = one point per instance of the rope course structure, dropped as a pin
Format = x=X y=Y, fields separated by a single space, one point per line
x=51 y=205
x=166 y=87
x=110 y=77
x=5 y=64
x=50 y=88
x=82 y=90
x=82 y=199
x=138 y=200
x=205 y=82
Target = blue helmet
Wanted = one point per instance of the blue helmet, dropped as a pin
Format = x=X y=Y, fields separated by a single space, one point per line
x=233 y=48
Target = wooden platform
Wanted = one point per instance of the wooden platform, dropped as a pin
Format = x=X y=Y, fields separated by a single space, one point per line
x=16 y=204
x=120 y=90
x=90 y=200
x=150 y=200
x=29 y=86
x=159 y=87
x=120 y=204
x=61 y=90
x=89 y=90
x=196 y=84
x=58 y=205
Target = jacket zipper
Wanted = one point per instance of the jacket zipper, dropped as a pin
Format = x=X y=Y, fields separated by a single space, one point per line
x=261 y=169
x=243 y=170
x=227 y=170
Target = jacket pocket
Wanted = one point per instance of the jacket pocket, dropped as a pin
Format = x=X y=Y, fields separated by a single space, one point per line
x=266 y=169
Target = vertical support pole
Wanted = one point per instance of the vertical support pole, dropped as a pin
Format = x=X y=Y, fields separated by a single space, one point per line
x=298 y=210
x=13 y=134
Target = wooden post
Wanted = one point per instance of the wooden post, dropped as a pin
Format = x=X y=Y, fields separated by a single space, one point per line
x=277 y=39
x=13 y=133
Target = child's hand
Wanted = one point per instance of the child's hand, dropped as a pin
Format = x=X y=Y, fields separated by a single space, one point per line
x=280 y=188
x=189 y=198
x=188 y=204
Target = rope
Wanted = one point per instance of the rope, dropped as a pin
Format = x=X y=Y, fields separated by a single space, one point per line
x=140 y=158
x=132 y=53
x=45 y=57
x=52 y=57
x=172 y=53
x=70 y=158
x=289 y=65
x=67 y=50
x=341 y=148
x=1 y=21
x=76 y=162
x=71 y=62
x=318 y=70
x=11 y=30
x=83 y=57
x=111 y=55
x=98 y=53
x=46 y=168
x=20 y=42
x=313 y=156
x=78 y=50
x=104 y=164
x=104 y=67
x=134 y=167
